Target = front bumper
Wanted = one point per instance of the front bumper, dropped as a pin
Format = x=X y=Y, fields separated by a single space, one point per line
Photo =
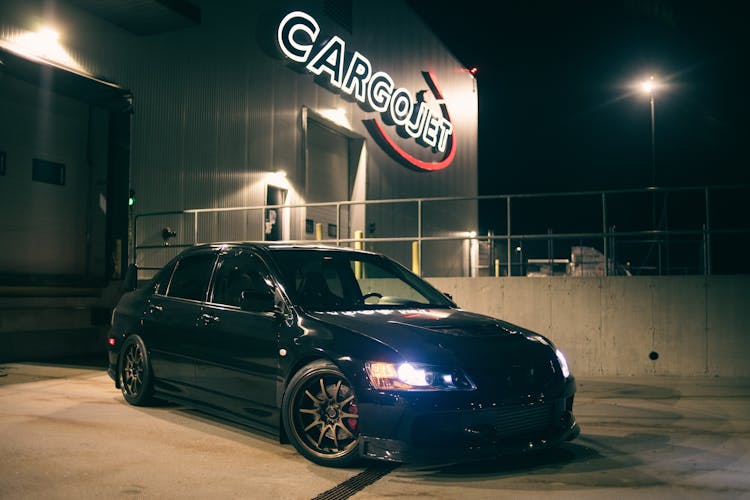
x=422 y=431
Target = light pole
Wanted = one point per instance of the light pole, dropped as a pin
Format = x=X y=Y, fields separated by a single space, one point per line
x=648 y=86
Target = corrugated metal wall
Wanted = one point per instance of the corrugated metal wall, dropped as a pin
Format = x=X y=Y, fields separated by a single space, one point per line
x=215 y=114
x=43 y=215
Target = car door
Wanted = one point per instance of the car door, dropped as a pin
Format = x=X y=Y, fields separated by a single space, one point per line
x=170 y=324
x=239 y=361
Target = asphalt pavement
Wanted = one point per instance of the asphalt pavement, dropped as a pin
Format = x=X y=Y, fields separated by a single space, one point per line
x=66 y=432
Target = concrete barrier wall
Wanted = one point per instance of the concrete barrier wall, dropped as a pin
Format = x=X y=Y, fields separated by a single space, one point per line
x=610 y=326
x=605 y=326
x=44 y=323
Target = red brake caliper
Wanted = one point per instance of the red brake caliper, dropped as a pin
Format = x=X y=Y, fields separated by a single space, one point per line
x=352 y=422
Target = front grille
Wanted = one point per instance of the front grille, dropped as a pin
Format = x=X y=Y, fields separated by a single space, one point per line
x=532 y=376
x=503 y=425
x=518 y=420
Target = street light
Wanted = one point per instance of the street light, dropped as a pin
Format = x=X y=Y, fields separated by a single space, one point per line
x=649 y=86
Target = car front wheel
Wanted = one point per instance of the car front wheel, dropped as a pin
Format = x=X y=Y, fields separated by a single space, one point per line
x=320 y=415
x=135 y=372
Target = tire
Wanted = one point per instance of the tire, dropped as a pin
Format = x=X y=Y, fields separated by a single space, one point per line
x=134 y=372
x=320 y=415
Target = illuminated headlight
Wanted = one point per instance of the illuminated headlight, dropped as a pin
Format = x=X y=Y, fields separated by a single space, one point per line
x=563 y=363
x=416 y=377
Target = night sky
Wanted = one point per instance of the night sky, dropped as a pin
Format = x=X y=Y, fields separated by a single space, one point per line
x=557 y=107
x=560 y=111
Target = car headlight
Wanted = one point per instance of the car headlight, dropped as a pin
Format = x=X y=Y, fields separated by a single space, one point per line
x=563 y=363
x=416 y=377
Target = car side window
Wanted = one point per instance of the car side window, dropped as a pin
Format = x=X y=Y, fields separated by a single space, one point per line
x=239 y=272
x=161 y=280
x=190 y=278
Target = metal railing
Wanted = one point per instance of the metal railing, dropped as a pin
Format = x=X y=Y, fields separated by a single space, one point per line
x=515 y=229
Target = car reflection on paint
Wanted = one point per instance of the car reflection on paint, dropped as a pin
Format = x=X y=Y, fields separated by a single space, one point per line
x=346 y=354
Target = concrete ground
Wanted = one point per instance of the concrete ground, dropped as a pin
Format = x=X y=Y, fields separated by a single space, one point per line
x=65 y=432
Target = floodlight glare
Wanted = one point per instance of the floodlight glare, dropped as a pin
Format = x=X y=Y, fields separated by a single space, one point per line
x=648 y=86
x=48 y=34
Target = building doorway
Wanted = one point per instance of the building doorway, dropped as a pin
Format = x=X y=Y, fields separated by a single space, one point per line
x=335 y=171
x=274 y=224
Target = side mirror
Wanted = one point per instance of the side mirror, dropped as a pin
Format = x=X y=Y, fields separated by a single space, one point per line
x=257 y=301
x=131 y=278
x=450 y=297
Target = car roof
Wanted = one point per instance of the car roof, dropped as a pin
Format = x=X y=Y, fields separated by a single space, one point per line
x=269 y=246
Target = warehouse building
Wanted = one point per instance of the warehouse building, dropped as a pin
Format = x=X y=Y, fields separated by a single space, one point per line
x=121 y=116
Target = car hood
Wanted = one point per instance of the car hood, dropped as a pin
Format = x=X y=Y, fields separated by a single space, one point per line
x=452 y=337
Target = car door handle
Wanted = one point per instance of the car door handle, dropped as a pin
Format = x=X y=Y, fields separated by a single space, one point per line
x=207 y=319
x=154 y=308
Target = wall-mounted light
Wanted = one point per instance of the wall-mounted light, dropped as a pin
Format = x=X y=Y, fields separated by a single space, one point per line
x=43 y=43
x=46 y=41
x=167 y=234
x=337 y=116
x=278 y=178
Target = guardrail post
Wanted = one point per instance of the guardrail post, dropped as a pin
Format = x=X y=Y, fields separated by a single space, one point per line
x=707 y=236
x=419 y=237
x=604 y=234
x=338 y=223
x=195 y=228
x=507 y=214
x=132 y=230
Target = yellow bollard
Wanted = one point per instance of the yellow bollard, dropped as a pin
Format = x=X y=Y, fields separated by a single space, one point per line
x=358 y=235
x=318 y=231
x=497 y=268
x=415 y=257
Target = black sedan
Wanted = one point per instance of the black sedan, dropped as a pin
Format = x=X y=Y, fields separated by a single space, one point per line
x=345 y=353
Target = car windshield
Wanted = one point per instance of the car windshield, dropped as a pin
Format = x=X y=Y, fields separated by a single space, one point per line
x=323 y=280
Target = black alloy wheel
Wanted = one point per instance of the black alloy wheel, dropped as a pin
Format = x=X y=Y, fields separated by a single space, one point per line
x=320 y=415
x=135 y=372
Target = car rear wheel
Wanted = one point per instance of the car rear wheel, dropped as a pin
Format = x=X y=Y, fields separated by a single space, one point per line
x=320 y=415
x=135 y=372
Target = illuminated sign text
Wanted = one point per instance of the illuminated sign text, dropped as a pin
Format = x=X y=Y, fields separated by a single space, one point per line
x=352 y=74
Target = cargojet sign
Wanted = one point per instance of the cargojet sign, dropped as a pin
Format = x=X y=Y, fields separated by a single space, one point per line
x=352 y=75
